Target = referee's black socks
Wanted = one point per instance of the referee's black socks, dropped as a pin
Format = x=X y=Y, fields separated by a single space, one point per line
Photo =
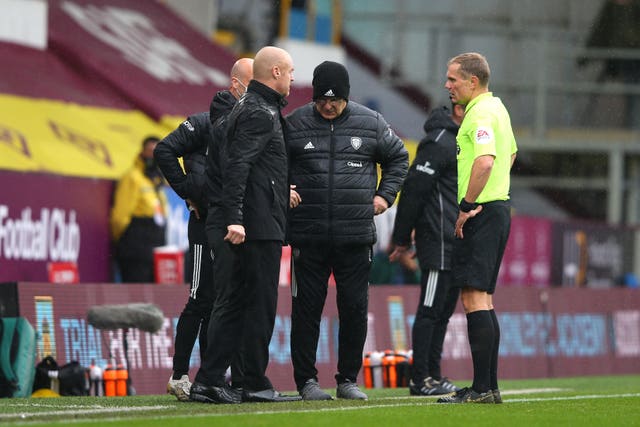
x=493 y=379
x=480 y=328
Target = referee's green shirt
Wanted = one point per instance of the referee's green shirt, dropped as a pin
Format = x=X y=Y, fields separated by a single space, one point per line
x=486 y=129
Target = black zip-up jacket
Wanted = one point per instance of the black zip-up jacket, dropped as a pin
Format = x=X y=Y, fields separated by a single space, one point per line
x=221 y=105
x=428 y=202
x=255 y=192
x=189 y=141
x=333 y=163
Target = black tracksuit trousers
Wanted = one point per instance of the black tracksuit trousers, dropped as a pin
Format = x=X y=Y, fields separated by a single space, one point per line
x=244 y=312
x=312 y=265
x=195 y=315
x=437 y=303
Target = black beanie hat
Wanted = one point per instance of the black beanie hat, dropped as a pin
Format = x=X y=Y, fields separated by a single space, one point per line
x=330 y=79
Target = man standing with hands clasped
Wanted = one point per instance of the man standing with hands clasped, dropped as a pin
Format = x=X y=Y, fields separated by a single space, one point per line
x=255 y=195
x=486 y=152
x=191 y=141
x=335 y=146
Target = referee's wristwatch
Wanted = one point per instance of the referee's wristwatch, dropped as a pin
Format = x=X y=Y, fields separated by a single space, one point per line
x=466 y=206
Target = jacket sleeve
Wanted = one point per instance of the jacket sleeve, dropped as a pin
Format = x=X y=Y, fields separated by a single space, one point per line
x=246 y=140
x=185 y=139
x=393 y=159
x=417 y=187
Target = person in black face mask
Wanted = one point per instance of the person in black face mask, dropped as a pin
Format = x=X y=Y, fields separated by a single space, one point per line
x=138 y=216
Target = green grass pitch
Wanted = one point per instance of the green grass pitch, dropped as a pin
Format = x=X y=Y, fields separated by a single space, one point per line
x=584 y=401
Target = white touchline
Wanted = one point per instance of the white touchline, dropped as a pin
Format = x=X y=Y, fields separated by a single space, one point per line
x=76 y=409
x=416 y=401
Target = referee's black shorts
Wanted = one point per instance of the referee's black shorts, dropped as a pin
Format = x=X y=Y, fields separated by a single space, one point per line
x=477 y=257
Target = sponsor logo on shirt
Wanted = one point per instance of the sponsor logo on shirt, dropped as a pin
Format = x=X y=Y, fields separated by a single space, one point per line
x=354 y=164
x=484 y=135
x=425 y=168
x=309 y=146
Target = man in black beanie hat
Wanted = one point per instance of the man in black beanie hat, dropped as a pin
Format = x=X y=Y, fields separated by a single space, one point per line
x=330 y=79
x=334 y=148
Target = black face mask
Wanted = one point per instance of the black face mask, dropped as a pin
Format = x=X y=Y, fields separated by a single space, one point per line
x=149 y=163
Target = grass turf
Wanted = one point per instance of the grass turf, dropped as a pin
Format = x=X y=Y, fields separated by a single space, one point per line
x=583 y=401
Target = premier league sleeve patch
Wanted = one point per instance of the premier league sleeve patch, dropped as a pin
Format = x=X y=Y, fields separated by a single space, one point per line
x=484 y=135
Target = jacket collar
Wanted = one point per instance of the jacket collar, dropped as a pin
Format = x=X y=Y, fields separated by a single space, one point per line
x=270 y=95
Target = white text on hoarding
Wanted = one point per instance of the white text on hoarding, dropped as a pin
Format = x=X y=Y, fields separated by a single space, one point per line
x=54 y=236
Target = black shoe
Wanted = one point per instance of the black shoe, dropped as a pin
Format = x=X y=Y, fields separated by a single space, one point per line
x=448 y=385
x=497 y=398
x=468 y=395
x=268 y=395
x=428 y=387
x=213 y=394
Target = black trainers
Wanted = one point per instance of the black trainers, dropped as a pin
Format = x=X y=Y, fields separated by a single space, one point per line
x=312 y=391
x=496 y=396
x=350 y=390
x=468 y=395
x=428 y=387
x=448 y=385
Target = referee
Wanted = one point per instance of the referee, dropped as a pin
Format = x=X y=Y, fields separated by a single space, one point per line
x=486 y=152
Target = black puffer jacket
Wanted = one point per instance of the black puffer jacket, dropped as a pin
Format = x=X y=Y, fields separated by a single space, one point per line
x=189 y=141
x=428 y=202
x=255 y=192
x=334 y=166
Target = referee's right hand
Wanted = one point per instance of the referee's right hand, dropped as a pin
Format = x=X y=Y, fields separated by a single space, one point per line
x=463 y=217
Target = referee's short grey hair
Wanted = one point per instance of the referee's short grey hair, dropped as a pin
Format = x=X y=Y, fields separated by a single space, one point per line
x=473 y=64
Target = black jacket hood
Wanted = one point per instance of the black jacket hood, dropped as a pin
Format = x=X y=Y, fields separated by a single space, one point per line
x=440 y=118
x=221 y=104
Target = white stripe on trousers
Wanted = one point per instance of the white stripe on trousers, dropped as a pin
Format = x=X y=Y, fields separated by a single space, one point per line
x=294 y=282
x=430 y=290
x=197 y=262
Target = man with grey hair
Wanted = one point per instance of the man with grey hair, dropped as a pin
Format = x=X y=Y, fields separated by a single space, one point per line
x=335 y=146
x=486 y=151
